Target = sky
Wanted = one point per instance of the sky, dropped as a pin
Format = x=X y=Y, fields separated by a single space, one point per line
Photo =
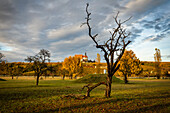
x=27 y=26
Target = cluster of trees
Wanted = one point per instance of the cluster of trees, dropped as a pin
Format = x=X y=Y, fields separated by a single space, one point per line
x=12 y=69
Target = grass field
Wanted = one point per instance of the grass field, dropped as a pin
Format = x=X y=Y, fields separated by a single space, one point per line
x=139 y=95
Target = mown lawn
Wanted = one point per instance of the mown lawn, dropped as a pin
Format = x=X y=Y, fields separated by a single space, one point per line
x=139 y=96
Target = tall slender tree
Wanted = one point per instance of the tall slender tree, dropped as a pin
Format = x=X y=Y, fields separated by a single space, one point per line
x=157 y=57
x=113 y=48
x=98 y=64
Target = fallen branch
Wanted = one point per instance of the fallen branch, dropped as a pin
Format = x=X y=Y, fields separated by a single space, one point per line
x=90 y=87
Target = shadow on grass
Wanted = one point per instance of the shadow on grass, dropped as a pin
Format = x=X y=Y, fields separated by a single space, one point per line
x=152 y=108
x=30 y=86
x=36 y=93
x=2 y=79
x=158 y=106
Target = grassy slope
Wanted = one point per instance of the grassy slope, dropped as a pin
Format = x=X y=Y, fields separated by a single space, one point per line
x=95 y=78
x=139 y=96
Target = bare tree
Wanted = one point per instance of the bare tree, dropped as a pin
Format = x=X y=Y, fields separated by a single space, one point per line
x=113 y=48
x=39 y=62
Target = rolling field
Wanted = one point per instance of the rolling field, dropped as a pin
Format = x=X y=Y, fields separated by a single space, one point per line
x=21 y=95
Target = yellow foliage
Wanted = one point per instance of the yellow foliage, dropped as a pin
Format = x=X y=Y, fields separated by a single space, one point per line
x=72 y=64
x=129 y=64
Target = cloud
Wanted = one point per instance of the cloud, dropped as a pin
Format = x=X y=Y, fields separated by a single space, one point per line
x=26 y=26
x=154 y=37
x=69 y=45
x=139 y=8
x=64 y=31
x=7 y=12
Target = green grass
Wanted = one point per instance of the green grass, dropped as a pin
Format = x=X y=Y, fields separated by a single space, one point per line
x=139 y=96
x=95 y=78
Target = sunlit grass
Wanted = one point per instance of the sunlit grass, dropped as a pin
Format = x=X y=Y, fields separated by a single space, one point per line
x=23 y=95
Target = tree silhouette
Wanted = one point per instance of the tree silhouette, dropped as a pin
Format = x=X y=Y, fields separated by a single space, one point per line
x=39 y=62
x=113 y=48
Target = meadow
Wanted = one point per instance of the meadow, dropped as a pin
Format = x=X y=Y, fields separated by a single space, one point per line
x=140 y=95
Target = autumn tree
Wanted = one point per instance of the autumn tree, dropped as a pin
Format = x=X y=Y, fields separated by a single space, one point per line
x=73 y=65
x=51 y=69
x=10 y=67
x=39 y=65
x=3 y=68
x=63 y=72
x=129 y=64
x=113 y=47
x=157 y=57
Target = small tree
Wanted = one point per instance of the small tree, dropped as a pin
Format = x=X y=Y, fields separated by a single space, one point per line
x=39 y=65
x=10 y=67
x=114 y=46
x=3 y=68
x=157 y=57
x=73 y=65
x=129 y=64
x=63 y=73
x=51 y=69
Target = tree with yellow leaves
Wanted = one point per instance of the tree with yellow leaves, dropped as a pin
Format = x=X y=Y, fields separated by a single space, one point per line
x=157 y=57
x=73 y=65
x=129 y=64
x=98 y=64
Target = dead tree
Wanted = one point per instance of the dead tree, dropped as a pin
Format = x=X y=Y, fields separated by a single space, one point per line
x=113 y=48
x=90 y=87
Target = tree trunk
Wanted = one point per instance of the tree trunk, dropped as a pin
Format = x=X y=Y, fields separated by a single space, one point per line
x=12 y=77
x=37 y=79
x=63 y=77
x=90 y=87
x=71 y=76
x=125 y=79
x=108 y=87
x=158 y=77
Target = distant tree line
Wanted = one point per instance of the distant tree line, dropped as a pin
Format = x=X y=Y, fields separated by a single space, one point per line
x=40 y=66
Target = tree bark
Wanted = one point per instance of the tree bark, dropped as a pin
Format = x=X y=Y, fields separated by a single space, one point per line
x=90 y=87
x=63 y=77
x=108 y=86
x=37 y=79
x=125 y=79
x=71 y=76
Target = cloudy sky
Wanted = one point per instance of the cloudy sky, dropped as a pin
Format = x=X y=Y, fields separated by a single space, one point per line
x=26 y=26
